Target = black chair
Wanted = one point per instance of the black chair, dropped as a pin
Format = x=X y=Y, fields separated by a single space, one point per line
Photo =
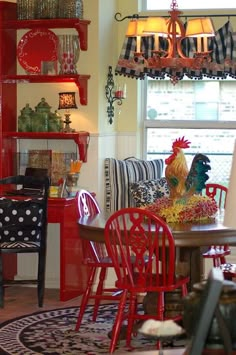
x=23 y=227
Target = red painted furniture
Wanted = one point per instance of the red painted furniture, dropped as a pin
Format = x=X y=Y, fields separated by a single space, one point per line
x=96 y=259
x=73 y=274
x=142 y=249
x=217 y=252
x=63 y=211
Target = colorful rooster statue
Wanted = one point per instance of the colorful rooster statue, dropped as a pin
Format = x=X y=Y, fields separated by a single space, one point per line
x=183 y=182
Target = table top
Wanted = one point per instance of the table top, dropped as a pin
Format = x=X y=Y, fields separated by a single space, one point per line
x=185 y=234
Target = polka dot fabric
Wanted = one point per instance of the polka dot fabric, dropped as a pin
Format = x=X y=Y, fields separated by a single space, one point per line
x=20 y=220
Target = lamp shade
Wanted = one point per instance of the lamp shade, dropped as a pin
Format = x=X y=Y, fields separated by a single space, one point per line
x=156 y=25
x=67 y=100
x=135 y=28
x=200 y=27
x=230 y=207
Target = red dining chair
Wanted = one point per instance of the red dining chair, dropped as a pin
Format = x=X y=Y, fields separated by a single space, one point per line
x=217 y=252
x=142 y=249
x=95 y=257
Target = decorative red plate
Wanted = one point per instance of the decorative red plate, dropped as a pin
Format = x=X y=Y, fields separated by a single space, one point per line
x=35 y=46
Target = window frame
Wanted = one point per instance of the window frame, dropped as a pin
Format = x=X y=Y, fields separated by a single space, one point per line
x=189 y=5
x=185 y=124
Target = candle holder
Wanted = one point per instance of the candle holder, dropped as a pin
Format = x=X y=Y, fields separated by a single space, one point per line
x=113 y=93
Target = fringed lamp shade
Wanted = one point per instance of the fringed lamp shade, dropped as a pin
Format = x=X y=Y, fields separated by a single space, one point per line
x=67 y=100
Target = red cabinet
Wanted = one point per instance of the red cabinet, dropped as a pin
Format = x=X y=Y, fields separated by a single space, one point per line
x=63 y=211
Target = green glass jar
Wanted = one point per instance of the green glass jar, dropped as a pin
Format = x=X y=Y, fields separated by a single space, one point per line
x=40 y=117
x=55 y=123
x=25 y=119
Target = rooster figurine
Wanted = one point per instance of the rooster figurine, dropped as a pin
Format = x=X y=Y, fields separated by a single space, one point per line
x=183 y=182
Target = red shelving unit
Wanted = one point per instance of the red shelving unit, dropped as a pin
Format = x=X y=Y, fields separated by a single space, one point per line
x=62 y=211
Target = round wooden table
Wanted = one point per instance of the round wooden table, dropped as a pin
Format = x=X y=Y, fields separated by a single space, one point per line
x=190 y=240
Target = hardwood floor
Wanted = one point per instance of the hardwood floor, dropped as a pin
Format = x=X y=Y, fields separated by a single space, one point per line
x=23 y=300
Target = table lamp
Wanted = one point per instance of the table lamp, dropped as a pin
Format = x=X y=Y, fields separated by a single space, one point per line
x=67 y=102
x=230 y=207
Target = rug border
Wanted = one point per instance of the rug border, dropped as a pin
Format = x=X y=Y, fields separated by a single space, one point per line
x=2 y=324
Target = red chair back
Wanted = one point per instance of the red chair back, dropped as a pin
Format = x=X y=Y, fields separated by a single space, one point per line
x=142 y=249
x=93 y=252
x=217 y=252
x=217 y=192
x=87 y=204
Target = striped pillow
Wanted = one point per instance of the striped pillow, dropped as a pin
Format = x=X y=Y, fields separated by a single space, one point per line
x=119 y=174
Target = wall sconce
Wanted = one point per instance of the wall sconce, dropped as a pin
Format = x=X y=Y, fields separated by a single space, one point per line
x=113 y=93
x=66 y=102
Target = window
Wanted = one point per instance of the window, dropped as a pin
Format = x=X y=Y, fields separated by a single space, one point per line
x=202 y=111
x=189 y=5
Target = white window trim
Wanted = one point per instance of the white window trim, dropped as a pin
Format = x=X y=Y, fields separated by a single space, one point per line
x=191 y=5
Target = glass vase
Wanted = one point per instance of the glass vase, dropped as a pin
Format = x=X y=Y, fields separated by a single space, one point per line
x=26 y=9
x=47 y=9
x=68 y=53
x=71 y=9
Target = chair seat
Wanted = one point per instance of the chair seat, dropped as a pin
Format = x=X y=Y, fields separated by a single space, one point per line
x=20 y=245
x=143 y=285
x=106 y=262
x=216 y=253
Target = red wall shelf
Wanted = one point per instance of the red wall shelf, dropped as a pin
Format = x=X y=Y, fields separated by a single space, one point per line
x=80 y=80
x=80 y=25
x=80 y=138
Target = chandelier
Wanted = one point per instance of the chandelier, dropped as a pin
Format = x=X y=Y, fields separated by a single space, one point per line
x=171 y=32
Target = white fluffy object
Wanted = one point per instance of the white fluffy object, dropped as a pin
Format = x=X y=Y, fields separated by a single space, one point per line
x=161 y=328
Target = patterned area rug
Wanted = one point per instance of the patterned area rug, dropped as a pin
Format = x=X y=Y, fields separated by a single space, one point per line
x=52 y=332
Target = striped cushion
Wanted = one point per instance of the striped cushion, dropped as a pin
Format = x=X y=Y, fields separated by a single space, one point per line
x=119 y=174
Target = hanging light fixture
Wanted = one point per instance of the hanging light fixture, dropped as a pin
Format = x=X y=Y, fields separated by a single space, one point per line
x=172 y=32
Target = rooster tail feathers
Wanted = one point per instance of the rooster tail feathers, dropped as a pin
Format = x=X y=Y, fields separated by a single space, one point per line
x=198 y=176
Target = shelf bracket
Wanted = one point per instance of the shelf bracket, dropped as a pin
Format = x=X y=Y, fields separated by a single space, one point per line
x=82 y=84
x=82 y=29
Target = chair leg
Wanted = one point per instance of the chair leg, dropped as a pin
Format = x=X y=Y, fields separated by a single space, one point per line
x=160 y=305
x=118 y=322
x=132 y=312
x=41 y=277
x=99 y=291
x=1 y=283
x=85 y=297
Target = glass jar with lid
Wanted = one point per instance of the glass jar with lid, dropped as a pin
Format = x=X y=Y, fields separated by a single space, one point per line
x=25 y=119
x=40 y=116
x=71 y=9
x=47 y=9
x=26 y=9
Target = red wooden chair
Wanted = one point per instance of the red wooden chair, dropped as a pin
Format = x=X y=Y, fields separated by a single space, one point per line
x=217 y=252
x=95 y=257
x=142 y=250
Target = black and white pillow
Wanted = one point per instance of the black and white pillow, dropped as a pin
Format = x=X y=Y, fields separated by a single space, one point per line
x=20 y=220
x=119 y=174
x=148 y=191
